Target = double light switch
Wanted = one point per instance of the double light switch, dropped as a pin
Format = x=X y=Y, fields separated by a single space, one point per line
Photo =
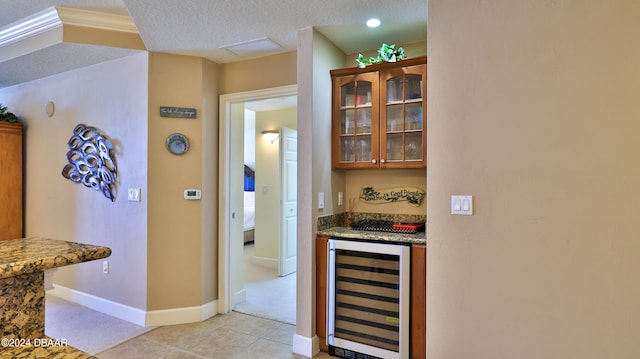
x=462 y=205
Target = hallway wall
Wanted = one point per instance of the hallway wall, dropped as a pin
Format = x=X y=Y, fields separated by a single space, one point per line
x=533 y=110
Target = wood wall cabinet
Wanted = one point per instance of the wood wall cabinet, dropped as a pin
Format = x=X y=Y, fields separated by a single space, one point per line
x=379 y=115
x=11 y=180
x=418 y=301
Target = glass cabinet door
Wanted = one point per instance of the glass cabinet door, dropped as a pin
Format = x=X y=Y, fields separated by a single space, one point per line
x=357 y=124
x=402 y=118
x=379 y=116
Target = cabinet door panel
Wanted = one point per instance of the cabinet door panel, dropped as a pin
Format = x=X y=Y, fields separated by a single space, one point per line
x=402 y=132
x=379 y=116
x=355 y=105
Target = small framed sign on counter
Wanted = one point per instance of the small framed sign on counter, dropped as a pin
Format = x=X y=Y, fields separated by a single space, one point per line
x=177 y=112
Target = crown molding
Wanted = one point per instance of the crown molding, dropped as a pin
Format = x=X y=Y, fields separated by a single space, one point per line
x=36 y=24
x=96 y=20
x=55 y=17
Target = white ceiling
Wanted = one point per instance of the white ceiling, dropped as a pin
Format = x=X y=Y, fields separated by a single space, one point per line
x=203 y=27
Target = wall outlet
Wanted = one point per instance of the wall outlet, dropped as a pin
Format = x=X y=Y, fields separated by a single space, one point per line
x=105 y=267
x=340 y=198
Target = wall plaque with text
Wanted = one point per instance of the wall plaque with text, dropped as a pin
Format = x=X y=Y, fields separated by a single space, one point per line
x=177 y=112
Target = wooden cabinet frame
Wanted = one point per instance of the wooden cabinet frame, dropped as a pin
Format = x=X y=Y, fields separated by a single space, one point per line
x=377 y=76
x=11 y=220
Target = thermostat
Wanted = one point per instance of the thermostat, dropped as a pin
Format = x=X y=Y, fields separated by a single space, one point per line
x=192 y=193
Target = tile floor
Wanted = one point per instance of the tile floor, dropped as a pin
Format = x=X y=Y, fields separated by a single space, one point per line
x=233 y=335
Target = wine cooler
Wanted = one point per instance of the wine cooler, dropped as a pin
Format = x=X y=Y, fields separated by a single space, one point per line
x=368 y=299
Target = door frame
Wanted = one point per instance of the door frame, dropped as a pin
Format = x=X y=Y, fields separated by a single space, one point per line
x=225 y=303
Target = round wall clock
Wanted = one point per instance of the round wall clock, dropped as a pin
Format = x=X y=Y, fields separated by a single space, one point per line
x=177 y=144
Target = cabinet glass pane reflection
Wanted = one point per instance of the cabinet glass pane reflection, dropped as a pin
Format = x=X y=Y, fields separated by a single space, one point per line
x=348 y=94
x=394 y=147
x=363 y=149
x=413 y=91
x=413 y=146
x=347 y=123
x=347 y=146
x=363 y=124
x=394 y=89
x=413 y=117
x=394 y=118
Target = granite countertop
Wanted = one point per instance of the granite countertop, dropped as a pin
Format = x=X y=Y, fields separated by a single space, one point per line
x=347 y=232
x=336 y=225
x=29 y=255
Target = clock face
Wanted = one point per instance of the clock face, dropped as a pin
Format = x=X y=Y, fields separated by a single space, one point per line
x=177 y=144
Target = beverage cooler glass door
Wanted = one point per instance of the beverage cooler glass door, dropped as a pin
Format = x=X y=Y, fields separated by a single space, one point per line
x=368 y=299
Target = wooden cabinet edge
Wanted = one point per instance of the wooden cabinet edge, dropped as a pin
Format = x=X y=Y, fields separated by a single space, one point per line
x=419 y=60
x=418 y=327
x=321 y=291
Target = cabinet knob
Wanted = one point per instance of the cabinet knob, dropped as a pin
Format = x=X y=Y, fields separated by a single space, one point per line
x=373 y=161
x=382 y=160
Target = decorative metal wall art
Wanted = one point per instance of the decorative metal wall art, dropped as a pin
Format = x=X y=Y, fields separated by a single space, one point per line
x=91 y=161
x=413 y=195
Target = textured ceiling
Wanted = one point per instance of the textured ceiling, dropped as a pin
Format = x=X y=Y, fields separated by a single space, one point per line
x=204 y=27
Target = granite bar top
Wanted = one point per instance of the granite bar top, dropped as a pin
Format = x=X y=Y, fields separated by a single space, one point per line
x=336 y=225
x=347 y=232
x=29 y=255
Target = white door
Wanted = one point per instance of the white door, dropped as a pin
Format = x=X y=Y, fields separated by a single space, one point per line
x=289 y=200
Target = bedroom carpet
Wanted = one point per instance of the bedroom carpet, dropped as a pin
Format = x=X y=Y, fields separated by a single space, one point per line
x=268 y=295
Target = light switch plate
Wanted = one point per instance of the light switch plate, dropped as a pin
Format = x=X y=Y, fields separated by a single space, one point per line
x=462 y=205
x=133 y=194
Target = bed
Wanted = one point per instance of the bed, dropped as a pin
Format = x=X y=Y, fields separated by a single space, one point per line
x=249 y=204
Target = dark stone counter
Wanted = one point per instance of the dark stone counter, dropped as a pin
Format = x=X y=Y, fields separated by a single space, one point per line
x=22 y=265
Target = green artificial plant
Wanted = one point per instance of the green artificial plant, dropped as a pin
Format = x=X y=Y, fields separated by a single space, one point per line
x=6 y=116
x=386 y=53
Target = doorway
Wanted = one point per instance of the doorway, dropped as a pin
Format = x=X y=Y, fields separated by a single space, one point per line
x=250 y=264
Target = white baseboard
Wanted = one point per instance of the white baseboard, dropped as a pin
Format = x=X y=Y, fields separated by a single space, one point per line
x=114 y=309
x=306 y=346
x=181 y=315
x=265 y=262
x=137 y=316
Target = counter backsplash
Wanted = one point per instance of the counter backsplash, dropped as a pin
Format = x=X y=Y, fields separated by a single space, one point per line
x=343 y=219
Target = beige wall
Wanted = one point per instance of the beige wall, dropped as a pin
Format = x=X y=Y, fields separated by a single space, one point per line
x=112 y=97
x=175 y=225
x=380 y=180
x=209 y=210
x=253 y=74
x=164 y=247
x=533 y=109
x=316 y=56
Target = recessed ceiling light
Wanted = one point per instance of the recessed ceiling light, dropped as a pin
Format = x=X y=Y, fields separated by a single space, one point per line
x=373 y=22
